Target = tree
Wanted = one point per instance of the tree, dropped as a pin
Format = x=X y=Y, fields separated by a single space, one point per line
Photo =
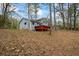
x=54 y=16
x=74 y=16
x=62 y=13
x=7 y=11
x=50 y=21
x=29 y=10
x=4 y=9
x=68 y=18
x=70 y=11
x=36 y=6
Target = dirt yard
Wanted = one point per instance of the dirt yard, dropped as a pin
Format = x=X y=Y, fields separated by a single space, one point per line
x=24 y=42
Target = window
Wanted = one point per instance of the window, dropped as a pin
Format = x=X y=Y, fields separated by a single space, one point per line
x=33 y=23
x=25 y=23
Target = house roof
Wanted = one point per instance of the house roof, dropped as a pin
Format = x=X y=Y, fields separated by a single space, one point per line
x=36 y=22
x=22 y=19
x=33 y=20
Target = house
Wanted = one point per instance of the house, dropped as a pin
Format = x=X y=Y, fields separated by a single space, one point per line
x=30 y=24
x=27 y=24
x=24 y=24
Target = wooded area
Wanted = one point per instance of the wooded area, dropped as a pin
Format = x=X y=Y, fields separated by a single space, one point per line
x=60 y=20
x=68 y=12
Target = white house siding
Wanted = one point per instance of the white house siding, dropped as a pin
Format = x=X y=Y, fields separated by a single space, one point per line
x=28 y=25
x=33 y=26
x=23 y=25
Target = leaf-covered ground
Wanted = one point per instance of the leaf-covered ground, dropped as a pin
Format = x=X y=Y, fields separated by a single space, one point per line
x=24 y=42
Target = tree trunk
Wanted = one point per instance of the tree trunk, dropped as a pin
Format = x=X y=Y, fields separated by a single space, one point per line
x=74 y=16
x=68 y=18
x=4 y=12
x=62 y=13
x=54 y=16
x=29 y=16
x=50 y=21
x=70 y=21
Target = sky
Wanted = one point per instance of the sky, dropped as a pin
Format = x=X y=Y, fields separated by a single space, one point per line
x=21 y=9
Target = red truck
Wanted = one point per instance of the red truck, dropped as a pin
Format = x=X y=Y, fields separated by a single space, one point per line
x=42 y=28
